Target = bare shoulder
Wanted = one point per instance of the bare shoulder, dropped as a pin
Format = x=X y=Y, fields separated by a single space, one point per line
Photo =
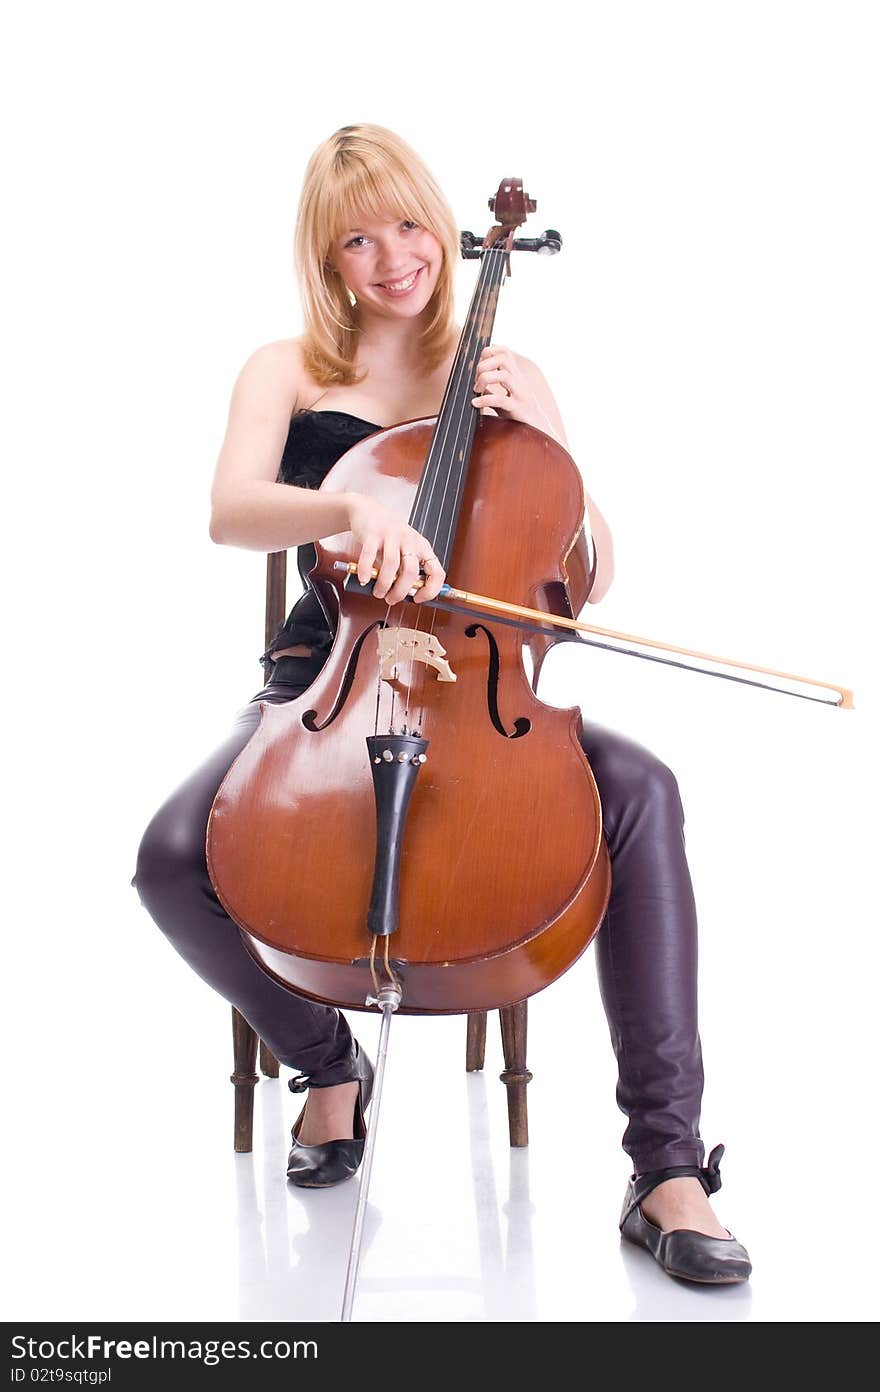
x=274 y=373
x=547 y=410
x=532 y=373
x=531 y=369
x=270 y=387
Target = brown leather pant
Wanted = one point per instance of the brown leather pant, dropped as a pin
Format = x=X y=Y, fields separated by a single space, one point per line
x=646 y=949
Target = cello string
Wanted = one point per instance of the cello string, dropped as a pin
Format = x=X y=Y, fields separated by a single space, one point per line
x=465 y=420
x=409 y=680
x=380 y=631
x=459 y=423
x=391 y=680
x=468 y=418
x=426 y=495
x=421 y=721
x=425 y=492
x=395 y=670
x=423 y=668
x=463 y=423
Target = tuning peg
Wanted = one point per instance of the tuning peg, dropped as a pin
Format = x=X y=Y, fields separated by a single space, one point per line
x=548 y=243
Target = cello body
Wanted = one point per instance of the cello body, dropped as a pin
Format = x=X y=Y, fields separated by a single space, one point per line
x=504 y=873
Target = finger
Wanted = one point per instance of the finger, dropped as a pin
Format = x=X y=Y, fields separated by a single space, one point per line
x=367 y=558
x=495 y=357
x=387 y=570
x=484 y=369
x=497 y=379
x=498 y=400
x=489 y=362
x=501 y=377
x=434 y=577
x=485 y=378
x=407 y=575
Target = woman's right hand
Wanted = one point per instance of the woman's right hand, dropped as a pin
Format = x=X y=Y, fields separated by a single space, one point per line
x=397 y=548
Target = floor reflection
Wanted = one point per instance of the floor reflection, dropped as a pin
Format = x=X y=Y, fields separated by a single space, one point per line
x=658 y=1297
x=507 y=1267
x=293 y=1244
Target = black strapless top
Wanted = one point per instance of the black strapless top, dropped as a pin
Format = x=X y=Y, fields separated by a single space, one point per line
x=315 y=440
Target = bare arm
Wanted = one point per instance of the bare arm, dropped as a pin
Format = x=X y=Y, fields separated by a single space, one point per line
x=250 y=509
x=532 y=401
x=599 y=529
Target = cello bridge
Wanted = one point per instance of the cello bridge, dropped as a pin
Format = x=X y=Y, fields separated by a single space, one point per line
x=412 y=645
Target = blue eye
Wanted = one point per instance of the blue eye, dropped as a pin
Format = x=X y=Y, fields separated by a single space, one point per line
x=354 y=240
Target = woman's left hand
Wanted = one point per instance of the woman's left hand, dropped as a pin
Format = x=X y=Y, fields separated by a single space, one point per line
x=503 y=386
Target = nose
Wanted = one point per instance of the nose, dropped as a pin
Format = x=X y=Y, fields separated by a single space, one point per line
x=394 y=256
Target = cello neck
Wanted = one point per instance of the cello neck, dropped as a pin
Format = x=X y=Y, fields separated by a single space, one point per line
x=438 y=498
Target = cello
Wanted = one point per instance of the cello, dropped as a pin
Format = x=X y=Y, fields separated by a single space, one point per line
x=414 y=790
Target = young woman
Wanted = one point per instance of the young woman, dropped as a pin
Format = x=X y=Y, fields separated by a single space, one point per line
x=376 y=247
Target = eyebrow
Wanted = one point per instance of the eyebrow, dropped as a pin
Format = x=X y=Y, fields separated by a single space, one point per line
x=404 y=217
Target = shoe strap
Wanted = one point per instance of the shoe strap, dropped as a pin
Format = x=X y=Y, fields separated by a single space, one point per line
x=301 y=1082
x=644 y=1184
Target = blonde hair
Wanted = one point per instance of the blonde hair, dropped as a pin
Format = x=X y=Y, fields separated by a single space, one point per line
x=365 y=171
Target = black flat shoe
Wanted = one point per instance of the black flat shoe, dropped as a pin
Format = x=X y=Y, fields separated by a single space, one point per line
x=692 y=1256
x=320 y=1166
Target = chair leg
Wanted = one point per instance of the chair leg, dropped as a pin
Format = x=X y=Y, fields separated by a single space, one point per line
x=514 y=1023
x=268 y=1062
x=476 y=1041
x=244 y=1049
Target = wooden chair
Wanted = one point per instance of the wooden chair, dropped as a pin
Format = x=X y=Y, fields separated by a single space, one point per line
x=514 y=1018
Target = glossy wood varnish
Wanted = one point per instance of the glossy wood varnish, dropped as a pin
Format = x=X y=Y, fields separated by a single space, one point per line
x=505 y=875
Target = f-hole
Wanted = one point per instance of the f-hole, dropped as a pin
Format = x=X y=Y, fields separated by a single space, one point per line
x=309 y=716
x=522 y=725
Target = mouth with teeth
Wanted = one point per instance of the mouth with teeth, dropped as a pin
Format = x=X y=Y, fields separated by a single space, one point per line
x=397 y=289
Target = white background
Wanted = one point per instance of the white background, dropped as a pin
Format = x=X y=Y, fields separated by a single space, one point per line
x=710 y=332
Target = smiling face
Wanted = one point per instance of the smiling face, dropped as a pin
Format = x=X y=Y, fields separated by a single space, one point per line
x=376 y=250
x=391 y=266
